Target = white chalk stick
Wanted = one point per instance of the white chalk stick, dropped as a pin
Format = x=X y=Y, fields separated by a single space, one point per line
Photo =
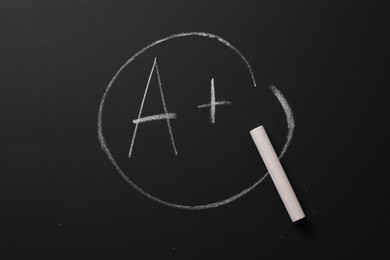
x=277 y=173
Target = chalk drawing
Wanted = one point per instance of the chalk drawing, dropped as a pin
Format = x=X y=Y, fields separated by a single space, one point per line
x=155 y=117
x=167 y=116
x=279 y=96
x=289 y=116
x=213 y=103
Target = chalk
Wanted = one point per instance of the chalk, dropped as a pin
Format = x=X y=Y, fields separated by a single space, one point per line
x=277 y=173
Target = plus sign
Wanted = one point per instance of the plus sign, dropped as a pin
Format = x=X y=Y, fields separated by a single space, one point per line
x=213 y=103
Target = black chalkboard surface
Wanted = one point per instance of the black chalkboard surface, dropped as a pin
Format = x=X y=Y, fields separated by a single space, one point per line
x=125 y=129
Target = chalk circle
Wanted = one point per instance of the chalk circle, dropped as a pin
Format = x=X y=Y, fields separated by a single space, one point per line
x=282 y=100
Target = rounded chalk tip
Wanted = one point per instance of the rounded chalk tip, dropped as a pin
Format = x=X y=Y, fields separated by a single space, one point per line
x=254 y=129
x=298 y=216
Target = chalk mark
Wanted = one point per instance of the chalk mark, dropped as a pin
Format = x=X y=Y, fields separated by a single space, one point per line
x=286 y=107
x=166 y=115
x=155 y=117
x=289 y=117
x=213 y=103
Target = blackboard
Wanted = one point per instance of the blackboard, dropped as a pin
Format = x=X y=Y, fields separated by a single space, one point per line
x=125 y=129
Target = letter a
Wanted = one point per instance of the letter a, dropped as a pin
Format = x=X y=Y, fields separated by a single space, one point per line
x=167 y=116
